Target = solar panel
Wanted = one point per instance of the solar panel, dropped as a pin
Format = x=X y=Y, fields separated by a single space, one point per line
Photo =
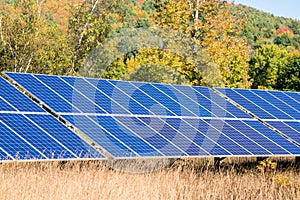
x=70 y=94
x=266 y=104
x=11 y=96
x=279 y=109
x=135 y=119
x=28 y=132
x=173 y=137
x=289 y=128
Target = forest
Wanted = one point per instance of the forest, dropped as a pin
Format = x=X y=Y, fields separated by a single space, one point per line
x=200 y=42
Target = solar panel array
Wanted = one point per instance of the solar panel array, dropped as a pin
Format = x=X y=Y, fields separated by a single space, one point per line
x=28 y=132
x=134 y=119
x=279 y=109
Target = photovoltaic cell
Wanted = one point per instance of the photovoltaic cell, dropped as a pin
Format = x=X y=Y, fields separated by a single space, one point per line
x=15 y=145
x=290 y=99
x=48 y=96
x=290 y=129
x=70 y=94
x=287 y=108
x=135 y=119
x=157 y=136
x=4 y=156
x=5 y=106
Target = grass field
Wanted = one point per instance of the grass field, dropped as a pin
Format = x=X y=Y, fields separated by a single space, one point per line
x=186 y=179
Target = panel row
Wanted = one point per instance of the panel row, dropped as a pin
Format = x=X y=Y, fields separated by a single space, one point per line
x=132 y=136
x=133 y=119
x=267 y=104
x=83 y=95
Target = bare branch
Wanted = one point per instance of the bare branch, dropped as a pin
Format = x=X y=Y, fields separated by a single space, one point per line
x=39 y=4
x=1 y=34
x=29 y=62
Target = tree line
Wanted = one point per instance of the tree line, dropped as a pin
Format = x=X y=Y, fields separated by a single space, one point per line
x=224 y=45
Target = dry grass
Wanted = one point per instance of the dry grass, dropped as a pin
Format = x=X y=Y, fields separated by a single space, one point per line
x=186 y=180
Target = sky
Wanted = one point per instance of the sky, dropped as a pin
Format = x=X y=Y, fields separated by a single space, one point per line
x=284 y=8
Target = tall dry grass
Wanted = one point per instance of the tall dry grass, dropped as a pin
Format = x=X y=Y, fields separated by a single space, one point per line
x=184 y=180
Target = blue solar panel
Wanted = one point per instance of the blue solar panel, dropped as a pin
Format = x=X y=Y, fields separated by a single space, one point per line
x=284 y=109
x=294 y=95
x=100 y=136
x=11 y=96
x=28 y=132
x=41 y=136
x=265 y=104
x=217 y=104
x=15 y=145
x=279 y=109
x=287 y=103
x=290 y=129
x=65 y=137
x=70 y=94
x=281 y=143
x=5 y=156
x=132 y=136
x=46 y=95
x=5 y=106
x=135 y=119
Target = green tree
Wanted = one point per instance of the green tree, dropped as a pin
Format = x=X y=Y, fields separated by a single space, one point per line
x=268 y=62
x=264 y=28
x=289 y=77
x=283 y=40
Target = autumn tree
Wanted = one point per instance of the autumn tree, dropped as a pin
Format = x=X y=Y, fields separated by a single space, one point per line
x=28 y=43
x=213 y=29
x=88 y=27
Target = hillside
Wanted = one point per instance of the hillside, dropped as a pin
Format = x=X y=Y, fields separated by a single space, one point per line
x=264 y=28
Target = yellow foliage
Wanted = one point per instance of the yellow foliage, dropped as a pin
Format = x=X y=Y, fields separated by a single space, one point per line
x=131 y=65
x=266 y=166
x=212 y=27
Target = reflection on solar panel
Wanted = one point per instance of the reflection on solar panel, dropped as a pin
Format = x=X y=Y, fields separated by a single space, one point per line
x=279 y=109
x=30 y=133
x=133 y=119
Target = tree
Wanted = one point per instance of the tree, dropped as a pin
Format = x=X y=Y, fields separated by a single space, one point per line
x=157 y=65
x=27 y=42
x=268 y=62
x=213 y=29
x=289 y=77
x=284 y=40
x=88 y=27
x=285 y=30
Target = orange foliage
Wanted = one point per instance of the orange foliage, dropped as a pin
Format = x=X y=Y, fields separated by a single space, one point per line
x=285 y=30
x=60 y=10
